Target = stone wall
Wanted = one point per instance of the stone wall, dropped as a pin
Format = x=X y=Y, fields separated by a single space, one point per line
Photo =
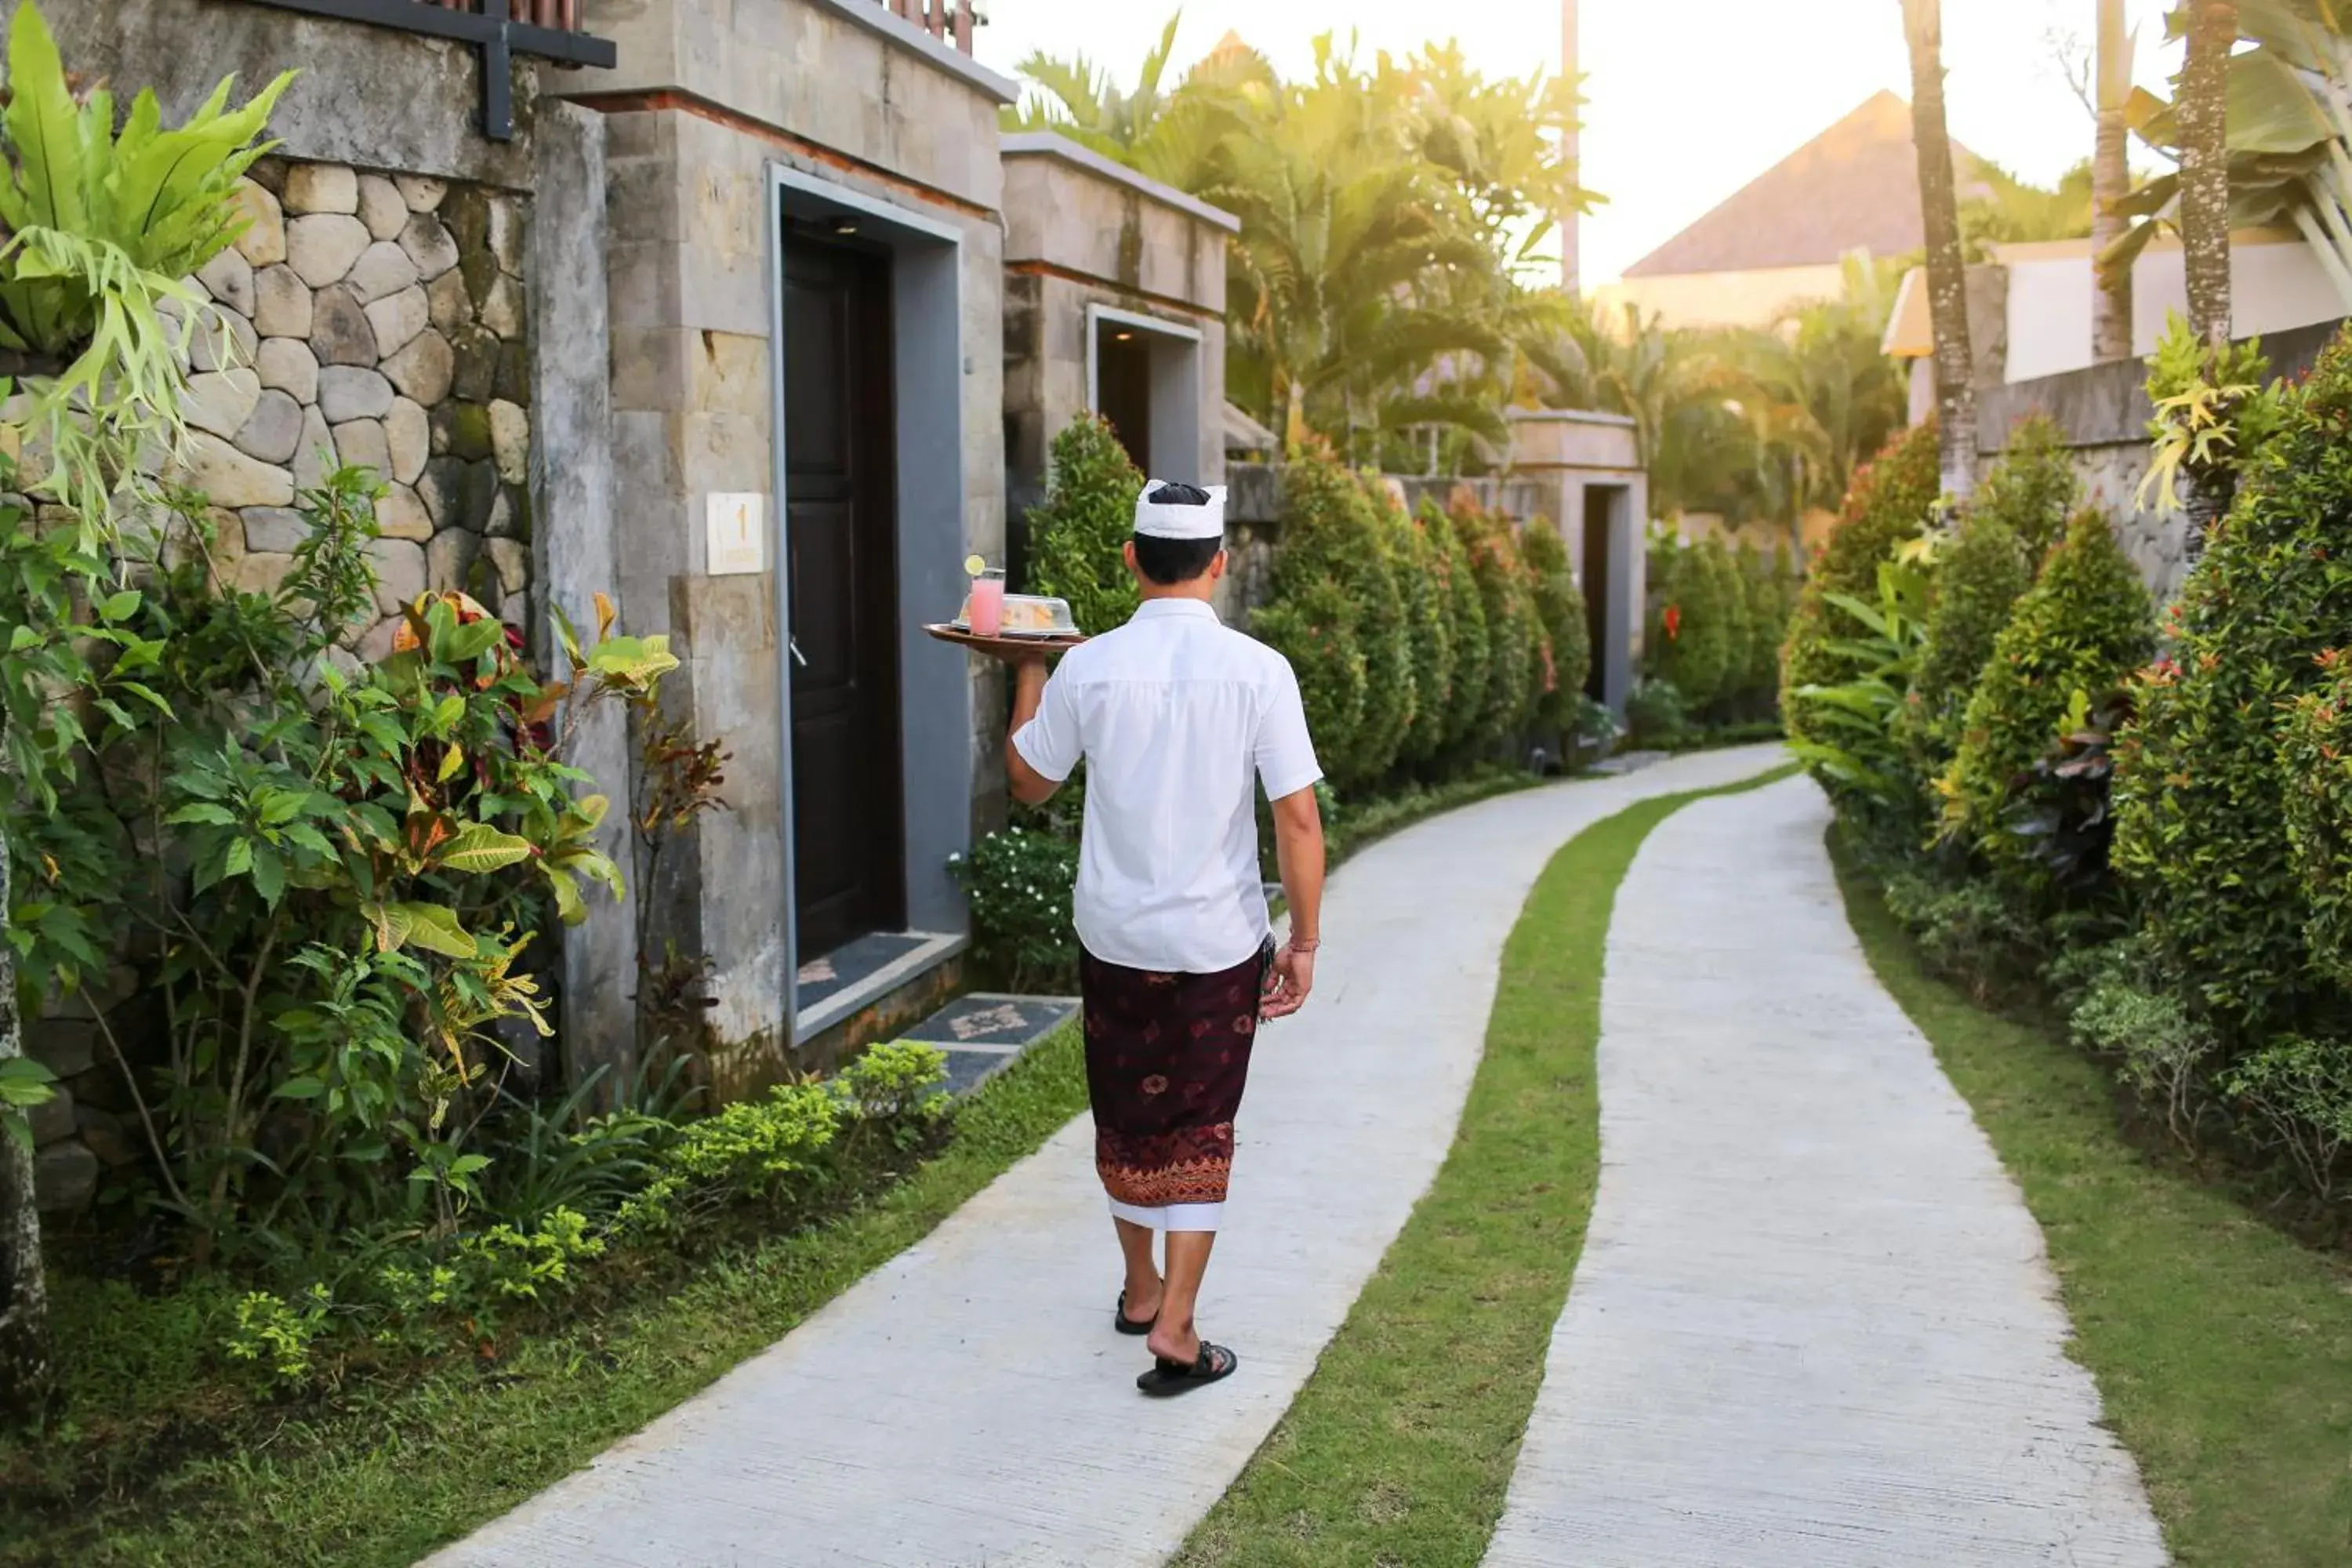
x=379 y=322
x=2103 y=412
x=370 y=320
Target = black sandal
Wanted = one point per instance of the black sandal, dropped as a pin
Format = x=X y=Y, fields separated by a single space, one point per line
x=1167 y=1377
x=1125 y=1324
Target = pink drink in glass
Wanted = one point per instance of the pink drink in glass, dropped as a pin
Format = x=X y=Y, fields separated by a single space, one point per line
x=988 y=605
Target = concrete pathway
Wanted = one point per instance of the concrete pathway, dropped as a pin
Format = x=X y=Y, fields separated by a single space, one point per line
x=1814 y=1325
x=968 y=1405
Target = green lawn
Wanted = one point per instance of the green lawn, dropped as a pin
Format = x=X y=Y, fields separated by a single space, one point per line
x=1398 y=1451
x=2221 y=1347
x=380 y=1476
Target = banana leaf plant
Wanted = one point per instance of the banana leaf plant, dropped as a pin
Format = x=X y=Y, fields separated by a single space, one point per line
x=2290 y=135
x=1856 y=748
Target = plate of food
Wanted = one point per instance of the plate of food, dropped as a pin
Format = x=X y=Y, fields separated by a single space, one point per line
x=1007 y=641
x=993 y=621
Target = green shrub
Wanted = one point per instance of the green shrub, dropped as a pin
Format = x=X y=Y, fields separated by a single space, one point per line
x=1755 y=687
x=1514 y=639
x=1019 y=884
x=2159 y=1050
x=1846 y=734
x=1738 y=628
x=2017 y=516
x=2298 y=1092
x=1466 y=630
x=2202 y=830
x=1888 y=504
x=2033 y=487
x=2315 y=742
x=1559 y=610
x=1656 y=716
x=1967 y=931
x=367 y=854
x=1335 y=603
x=2080 y=631
x=1692 y=641
x=1077 y=533
x=1419 y=573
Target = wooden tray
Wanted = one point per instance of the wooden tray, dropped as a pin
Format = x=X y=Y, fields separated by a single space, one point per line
x=1000 y=646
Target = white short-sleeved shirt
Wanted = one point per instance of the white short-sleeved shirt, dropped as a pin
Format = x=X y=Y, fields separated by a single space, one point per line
x=1177 y=716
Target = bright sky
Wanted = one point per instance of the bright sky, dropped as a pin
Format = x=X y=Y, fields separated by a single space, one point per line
x=1689 y=100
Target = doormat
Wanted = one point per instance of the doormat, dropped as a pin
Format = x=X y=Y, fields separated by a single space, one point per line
x=985 y=1033
x=851 y=963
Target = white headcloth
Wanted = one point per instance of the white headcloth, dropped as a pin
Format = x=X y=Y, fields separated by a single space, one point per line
x=1171 y=521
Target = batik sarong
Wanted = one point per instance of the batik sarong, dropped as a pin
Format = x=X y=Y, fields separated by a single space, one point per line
x=1167 y=1058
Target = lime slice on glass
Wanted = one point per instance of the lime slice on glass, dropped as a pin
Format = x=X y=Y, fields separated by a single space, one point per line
x=973 y=566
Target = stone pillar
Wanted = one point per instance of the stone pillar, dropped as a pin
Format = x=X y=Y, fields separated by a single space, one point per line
x=575 y=553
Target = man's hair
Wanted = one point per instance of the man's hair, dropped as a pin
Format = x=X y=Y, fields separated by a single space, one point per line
x=1168 y=562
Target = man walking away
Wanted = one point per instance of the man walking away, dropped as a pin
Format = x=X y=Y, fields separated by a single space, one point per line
x=1176 y=717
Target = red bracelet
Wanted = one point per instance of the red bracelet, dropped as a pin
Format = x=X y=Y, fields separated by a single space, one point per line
x=1304 y=946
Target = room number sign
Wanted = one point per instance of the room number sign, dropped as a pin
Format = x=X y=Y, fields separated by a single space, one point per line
x=739 y=535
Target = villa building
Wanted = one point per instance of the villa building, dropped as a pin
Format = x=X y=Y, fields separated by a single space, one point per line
x=749 y=318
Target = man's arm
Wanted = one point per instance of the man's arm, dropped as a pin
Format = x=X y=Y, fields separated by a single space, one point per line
x=1299 y=849
x=1029 y=786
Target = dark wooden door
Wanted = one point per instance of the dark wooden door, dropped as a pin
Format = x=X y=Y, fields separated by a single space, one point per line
x=841 y=528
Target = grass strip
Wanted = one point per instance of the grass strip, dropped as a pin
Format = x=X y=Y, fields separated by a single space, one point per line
x=392 y=1474
x=2222 y=1348
x=1399 y=1450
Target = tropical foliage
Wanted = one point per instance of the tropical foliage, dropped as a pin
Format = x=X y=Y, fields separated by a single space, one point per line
x=100 y=228
x=2288 y=131
x=2157 y=848
x=1388 y=214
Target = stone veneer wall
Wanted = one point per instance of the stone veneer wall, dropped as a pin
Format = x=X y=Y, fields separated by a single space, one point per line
x=380 y=322
x=2103 y=412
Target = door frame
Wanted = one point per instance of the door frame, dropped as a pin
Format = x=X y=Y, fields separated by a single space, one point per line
x=935 y=692
x=1175 y=350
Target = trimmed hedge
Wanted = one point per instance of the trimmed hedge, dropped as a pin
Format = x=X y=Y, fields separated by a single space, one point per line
x=1559 y=611
x=1474 y=641
x=1514 y=639
x=2202 y=830
x=2080 y=631
x=1076 y=534
x=1335 y=584
x=1429 y=615
x=2019 y=514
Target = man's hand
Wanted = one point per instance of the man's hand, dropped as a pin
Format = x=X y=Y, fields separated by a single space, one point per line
x=1287 y=984
x=1298 y=845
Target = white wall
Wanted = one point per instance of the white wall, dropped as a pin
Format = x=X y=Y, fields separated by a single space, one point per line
x=2273 y=287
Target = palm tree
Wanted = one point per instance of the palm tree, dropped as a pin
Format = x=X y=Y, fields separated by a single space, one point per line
x=1947 y=283
x=1824 y=365
x=1347 y=278
x=2111 y=309
x=1174 y=137
x=2203 y=105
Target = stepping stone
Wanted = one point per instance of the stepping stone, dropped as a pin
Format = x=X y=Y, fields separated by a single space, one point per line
x=848 y=964
x=986 y=1032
